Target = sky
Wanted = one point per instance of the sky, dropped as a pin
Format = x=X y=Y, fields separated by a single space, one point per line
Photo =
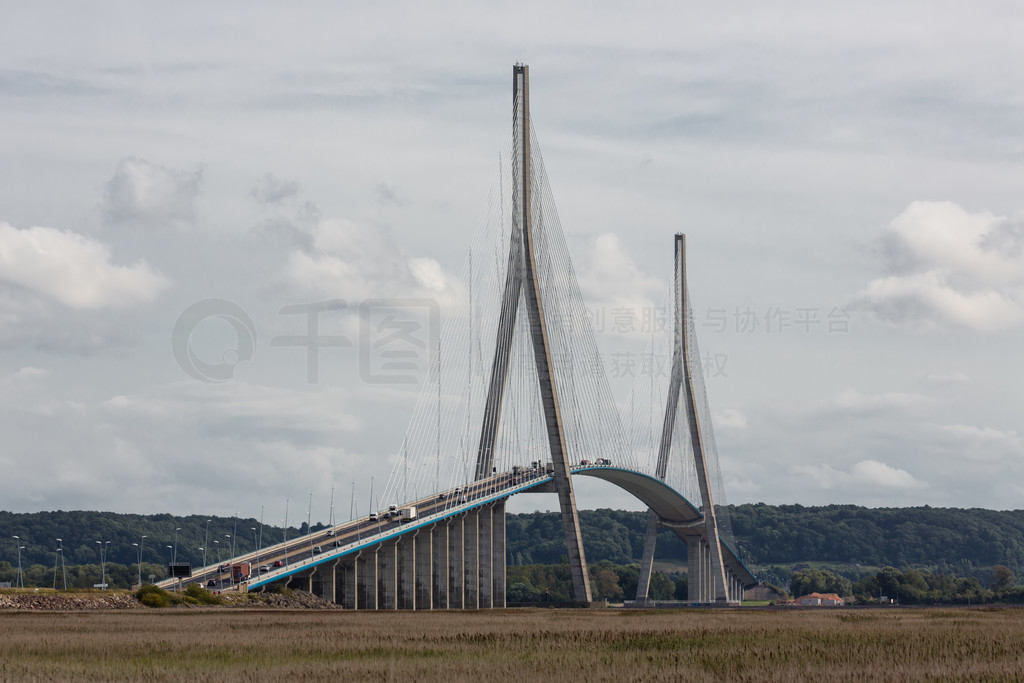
x=180 y=183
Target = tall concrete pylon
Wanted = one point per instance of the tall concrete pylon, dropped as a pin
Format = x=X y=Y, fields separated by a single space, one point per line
x=681 y=380
x=522 y=279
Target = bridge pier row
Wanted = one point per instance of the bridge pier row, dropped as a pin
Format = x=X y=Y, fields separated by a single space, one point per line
x=696 y=572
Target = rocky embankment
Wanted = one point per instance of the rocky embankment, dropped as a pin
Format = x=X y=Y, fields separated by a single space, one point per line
x=70 y=602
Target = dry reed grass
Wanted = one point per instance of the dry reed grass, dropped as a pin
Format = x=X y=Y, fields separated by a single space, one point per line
x=520 y=645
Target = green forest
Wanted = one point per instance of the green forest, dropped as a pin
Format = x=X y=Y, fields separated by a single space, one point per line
x=776 y=542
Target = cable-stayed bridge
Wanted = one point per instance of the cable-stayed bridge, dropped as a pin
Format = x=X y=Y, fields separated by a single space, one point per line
x=517 y=401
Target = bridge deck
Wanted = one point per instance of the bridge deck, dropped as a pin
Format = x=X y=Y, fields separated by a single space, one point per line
x=302 y=553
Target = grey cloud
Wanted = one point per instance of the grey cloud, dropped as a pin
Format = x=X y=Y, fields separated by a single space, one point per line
x=386 y=195
x=1006 y=237
x=280 y=229
x=270 y=189
x=144 y=193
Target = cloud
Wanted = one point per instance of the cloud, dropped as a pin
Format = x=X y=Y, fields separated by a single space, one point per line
x=728 y=418
x=357 y=262
x=272 y=190
x=947 y=378
x=73 y=269
x=852 y=401
x=241 y=411
x=865 y=474
x=611 y=280
x=386 y=195
x=144 y=193
x=949 y=268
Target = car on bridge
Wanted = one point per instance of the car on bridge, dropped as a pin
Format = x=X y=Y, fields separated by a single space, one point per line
x=264 y=568
x=278 y=563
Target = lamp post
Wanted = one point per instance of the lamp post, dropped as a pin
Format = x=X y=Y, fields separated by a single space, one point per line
x=138 y=558
x=63 y=563
x=206 y=542
x=203 y=551
x=142 y=543
x=259 y=545
x=103 y=563
x=286 y=501
x=231 y=557
x=309 y=523
x=254 y=542
x=17 y=542
x=174 y=555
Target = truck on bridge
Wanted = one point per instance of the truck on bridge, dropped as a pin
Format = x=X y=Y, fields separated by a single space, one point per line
x=240 y=572
x=408 y=514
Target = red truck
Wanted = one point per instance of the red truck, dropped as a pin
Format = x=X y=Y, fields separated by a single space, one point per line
x=240 y=572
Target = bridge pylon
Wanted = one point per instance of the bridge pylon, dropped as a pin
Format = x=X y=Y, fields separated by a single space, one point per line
x=522 y=279
x=708 y=544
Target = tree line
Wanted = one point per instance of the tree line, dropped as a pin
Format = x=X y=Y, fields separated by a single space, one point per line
x=853 y=540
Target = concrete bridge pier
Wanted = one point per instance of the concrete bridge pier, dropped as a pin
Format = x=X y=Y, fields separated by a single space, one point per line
x=387 y=575
x=366 y=568
x=439 y=565
x=456 y=557
x=471 y=560
x=423 y=583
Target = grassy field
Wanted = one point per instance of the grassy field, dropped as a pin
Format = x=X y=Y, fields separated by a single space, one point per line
x=522 y=645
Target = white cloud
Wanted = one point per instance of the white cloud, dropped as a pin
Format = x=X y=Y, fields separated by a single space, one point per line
x=949 y=267
x=728 y=418
x=249 y=411
x=357 y=262
x=73 y=269
x=866 y=474
x=851 y=400
x=611 y=279
x=145 y=193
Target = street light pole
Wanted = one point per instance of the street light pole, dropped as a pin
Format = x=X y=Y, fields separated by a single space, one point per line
x=257 y=549
x=63 y=563
x=203 y=550
x=142 y=543
x=19 y=546
x=259 y=545
x=138 y=557
x=103 y=563
x=286 y=501
x=174 y=556
x=231 y=558
x=309 y=523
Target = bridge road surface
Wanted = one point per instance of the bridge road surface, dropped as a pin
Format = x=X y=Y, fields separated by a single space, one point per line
x=301 y=548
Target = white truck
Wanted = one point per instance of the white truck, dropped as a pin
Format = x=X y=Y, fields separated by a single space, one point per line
x=408 y=514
